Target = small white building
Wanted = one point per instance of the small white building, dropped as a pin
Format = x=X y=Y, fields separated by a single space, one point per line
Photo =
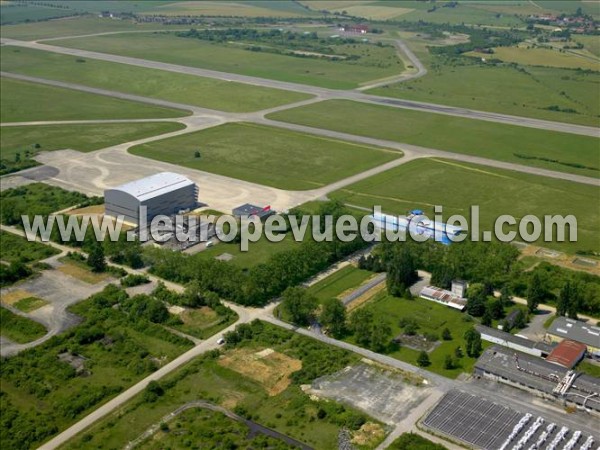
x=443 y=297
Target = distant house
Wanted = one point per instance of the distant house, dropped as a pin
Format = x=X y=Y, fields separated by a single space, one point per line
x=357 y=29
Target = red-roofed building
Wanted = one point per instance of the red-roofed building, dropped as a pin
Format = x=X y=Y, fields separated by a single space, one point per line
x=567 y=353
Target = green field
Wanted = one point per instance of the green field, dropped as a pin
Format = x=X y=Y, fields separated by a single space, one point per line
x=15 y=13
x=17 y=248
x=258 y=252
x=341 y=281
x=30 y=304
x=520 y=91
x=590 y=43
x=456 y=134
x=431 y=318
x=23 y=102
x=542 y=57
x=205 y=379
x=176 y=87
x=456 y=186
x=80 y=137
x=377 y=62
x=266 y=155
x=19 y=329
x=203 y=322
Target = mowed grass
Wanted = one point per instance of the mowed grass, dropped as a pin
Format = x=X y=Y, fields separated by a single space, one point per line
x=431 y=318
x=19 y=329
x=23 y=101
x=520 y=91
x=472 y=137
x=29 y=304
x=348 y=278
x=456 y=186
x=380 y=63
x=153 y=83
x=267 y=155
x=542 y=57
x=80 y=137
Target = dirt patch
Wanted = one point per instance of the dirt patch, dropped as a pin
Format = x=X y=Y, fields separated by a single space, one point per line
x=82 y=274
x=176 y=310
x=589 y=265
x=10 y=298
x=368 y=435
x=268 y=367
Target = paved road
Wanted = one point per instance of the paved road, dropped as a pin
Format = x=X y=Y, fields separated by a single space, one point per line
x=314 y=90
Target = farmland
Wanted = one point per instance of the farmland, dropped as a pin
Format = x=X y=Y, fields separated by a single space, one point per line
x=457 y=186
x=23 y=101
x=522 y=91
x=472 y=137
x=176 y=87
x=267 y=155
x=375 y=62
x=80 y=137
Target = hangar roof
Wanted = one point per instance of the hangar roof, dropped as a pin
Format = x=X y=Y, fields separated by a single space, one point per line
x=154 y=185
x=567 y=353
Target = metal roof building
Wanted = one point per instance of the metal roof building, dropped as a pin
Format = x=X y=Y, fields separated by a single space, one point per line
x=567 y=353
x=578 y=331
x=164 y=193
x=513 y=342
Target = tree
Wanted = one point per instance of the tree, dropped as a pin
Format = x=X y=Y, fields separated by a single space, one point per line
x=564 y=299
x=520 y=319
x=333 y=317
x=575 y=302
x=496 y=308
x=458 y=352
x=380 y=337
x=535 y=292
x=486 y=319
x=402 y=272
x=423 y=359
x=361 y=323
x=476 y=299
x=473 y=344
x=96 y=258
x=505 y=297
x=446 y=335
x=299 y=305
x=196 y=154
x=449 y=363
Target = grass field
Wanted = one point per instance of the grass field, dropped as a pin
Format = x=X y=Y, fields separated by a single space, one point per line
x=24 y=102
x=17 y=248
x=520 y=91
x=541 y=57
x=341 y=281
x=472 y=137
x=19 y=329
x=203 y=322
x=206 y=378
x=380 y=62
x=431 y=318
x=267 y=155
x=29 y=304
x=258 y=252
x=590 y=43
x=456 y=186
x=176 y=87
x=15 y=13
x=83 y=138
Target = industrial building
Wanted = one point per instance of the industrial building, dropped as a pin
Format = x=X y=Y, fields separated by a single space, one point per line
x=567 y=353
x=248 y=210
x=539 y=349
x=540 y=377
x=164 y=193
x=578 y=331
x=443 y=297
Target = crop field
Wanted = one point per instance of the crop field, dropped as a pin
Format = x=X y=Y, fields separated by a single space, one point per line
x=23 y=102
x=590 y=43
x=83 y=138
x=19 y=329
x=472 y=137
x=266 y=155
x=235 y=9
x=379 y=62
x=542 y=57
x=456 y=186
x=521 y=91
x=206 y=378
x=176 y=87
x=15 y=13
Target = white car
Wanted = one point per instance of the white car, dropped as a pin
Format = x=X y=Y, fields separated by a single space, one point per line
x=221 y=341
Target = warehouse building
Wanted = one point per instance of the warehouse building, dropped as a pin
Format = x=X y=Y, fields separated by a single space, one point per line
x=567 y=353
x=164 y=193
x=540 y=377
x=513 y=342
x=249 y=210
x=578 y=331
